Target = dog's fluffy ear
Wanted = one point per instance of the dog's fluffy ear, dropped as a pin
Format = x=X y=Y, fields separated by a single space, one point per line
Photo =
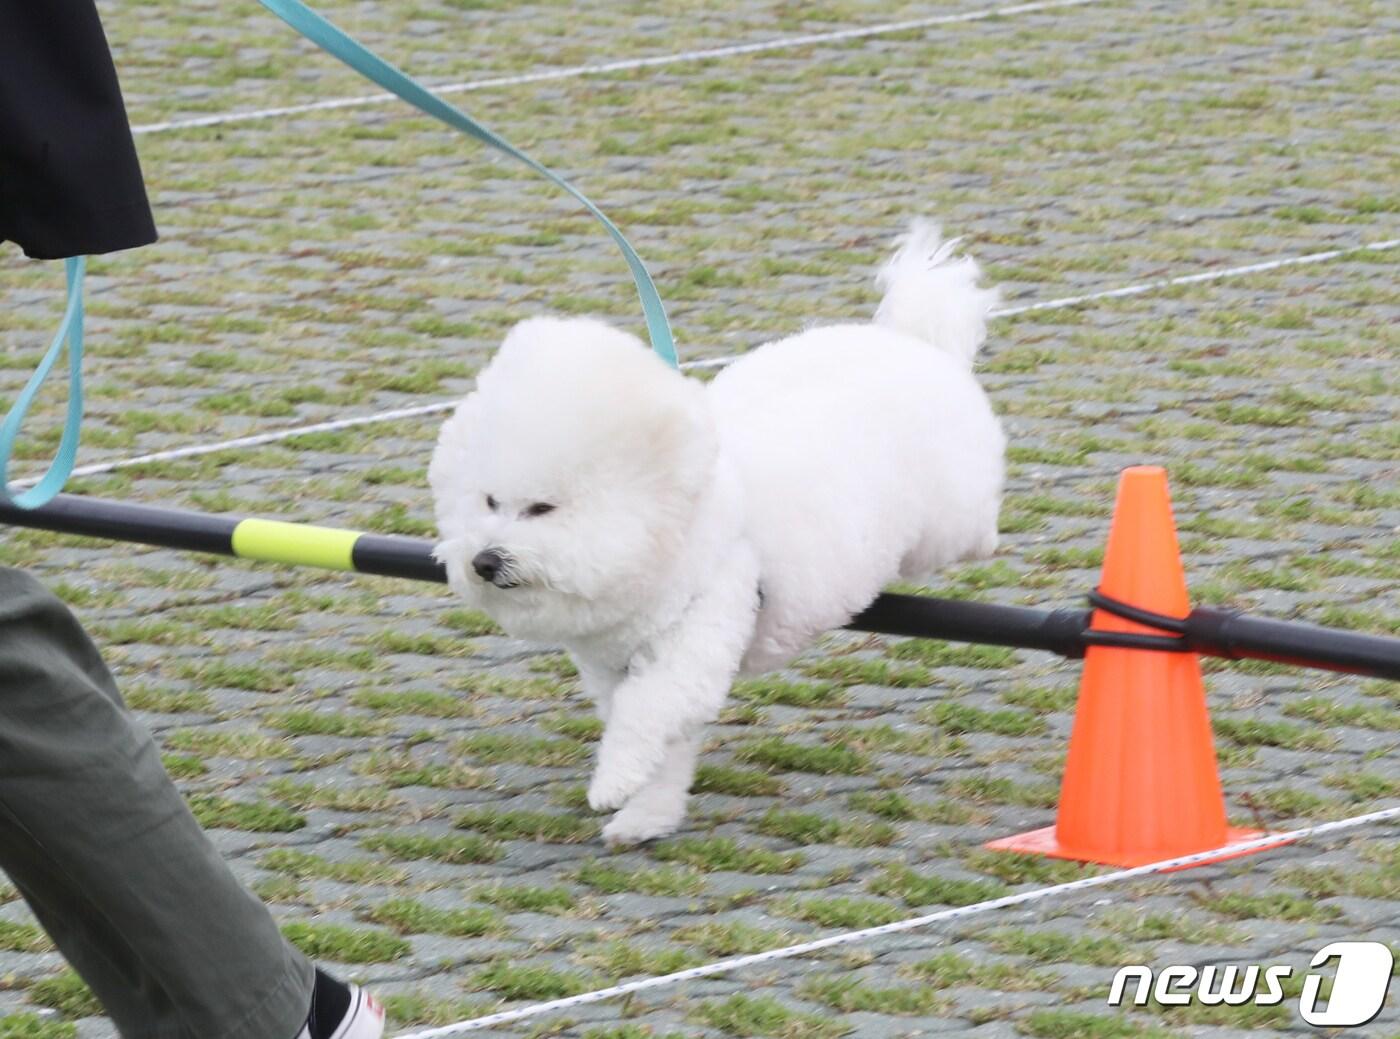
x=682 y=444
x=600 y=391
x=449 y=461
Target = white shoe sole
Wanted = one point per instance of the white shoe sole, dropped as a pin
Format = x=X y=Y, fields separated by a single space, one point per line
x=365 y=1019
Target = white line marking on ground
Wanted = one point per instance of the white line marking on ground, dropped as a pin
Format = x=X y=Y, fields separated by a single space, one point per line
x=1147 y=286
x=259 y=439
x=849 y=937
x=622 y=65
x=254 y=440
x=1192 y=279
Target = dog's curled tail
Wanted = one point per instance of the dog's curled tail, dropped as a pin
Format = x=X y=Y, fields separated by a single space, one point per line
x=933 y=295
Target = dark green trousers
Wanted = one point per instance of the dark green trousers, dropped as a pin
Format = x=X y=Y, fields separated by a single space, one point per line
x=103 y=848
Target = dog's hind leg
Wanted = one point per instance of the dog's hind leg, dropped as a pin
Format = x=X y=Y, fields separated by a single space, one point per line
x=658 y=808
x=678 y=683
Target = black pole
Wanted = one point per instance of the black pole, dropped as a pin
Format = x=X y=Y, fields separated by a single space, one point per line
x=1211 y=632
x=1056 y=631
x=1235 y=636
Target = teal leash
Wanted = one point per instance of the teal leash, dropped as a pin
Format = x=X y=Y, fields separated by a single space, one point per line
x=329 y=38
x=70 y=331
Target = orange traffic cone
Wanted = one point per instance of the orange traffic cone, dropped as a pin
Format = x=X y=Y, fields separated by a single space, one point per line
x=1140 y=783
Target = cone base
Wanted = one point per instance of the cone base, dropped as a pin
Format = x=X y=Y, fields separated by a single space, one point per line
x=1044 y=842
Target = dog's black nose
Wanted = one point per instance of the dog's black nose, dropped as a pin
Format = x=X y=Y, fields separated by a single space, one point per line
x=487 y=563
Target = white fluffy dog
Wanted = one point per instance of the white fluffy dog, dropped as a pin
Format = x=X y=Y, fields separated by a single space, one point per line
x=669 y=533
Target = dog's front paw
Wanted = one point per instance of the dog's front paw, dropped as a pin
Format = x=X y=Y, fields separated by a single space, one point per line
x=626 y=760
x=637 y=824
x=613 y=786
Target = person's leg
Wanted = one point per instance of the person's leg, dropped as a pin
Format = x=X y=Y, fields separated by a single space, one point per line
x=102 y=846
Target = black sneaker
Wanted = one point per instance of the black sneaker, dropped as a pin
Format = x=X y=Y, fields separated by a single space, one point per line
x=341 y=1011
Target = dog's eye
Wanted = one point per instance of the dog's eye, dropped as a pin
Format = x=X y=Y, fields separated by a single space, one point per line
x=491 y=503
x=540 y=508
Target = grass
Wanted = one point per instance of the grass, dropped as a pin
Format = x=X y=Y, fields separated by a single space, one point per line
x=921 y=889
x=334 y=798
x=420 y=644
x=183 y=766
x=616 y=960
x=610 y=879
x=16 y=937
x=215 y=812
x=1024 y=869
x=169 y=701
x=729 y=938
x=32 y=1026
x=841 y=911
x=1322 y=882
x=224 y=674
x=1000 y=790
x=415 y=701
x=525 y=825
x=574 y=726
x=454 y=849
x=227 y=743
x=755 y=1016
x=345 y=944
x=1060 y=946
x=347 y=871
x=735 y=782
x=891 y=804
x=1281 y=905
x=1067 y=1024
x=535 y=983
x=1365 y=786
x=1041 y=699
x=817 y=828
x=848 y=995
x=407 y=916
x=1329 y=713
x=951 y=969
x=779 y=754
x=955 y=717
x=853 y=670
x=417 y=1008
x=714 y=854
x=67 y=993
x=464 y=622
x=528 y=899
x=935 y=653
x=1255 y=732
x=494 y=748
x=401 y=770
x=307 y=722
x=770 y=690
x=1156 y=927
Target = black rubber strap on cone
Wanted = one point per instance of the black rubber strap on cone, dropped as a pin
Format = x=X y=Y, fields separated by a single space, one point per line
x=1175 y=643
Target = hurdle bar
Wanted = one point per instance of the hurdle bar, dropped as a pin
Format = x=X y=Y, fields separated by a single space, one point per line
x=1066 y=632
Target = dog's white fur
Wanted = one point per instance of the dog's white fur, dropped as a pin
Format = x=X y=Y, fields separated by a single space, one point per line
x=700 y=530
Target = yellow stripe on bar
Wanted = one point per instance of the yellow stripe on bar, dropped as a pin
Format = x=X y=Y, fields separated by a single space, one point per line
x=273 y=541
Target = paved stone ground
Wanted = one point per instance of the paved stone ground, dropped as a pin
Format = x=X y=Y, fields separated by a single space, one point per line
x=404 y=785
